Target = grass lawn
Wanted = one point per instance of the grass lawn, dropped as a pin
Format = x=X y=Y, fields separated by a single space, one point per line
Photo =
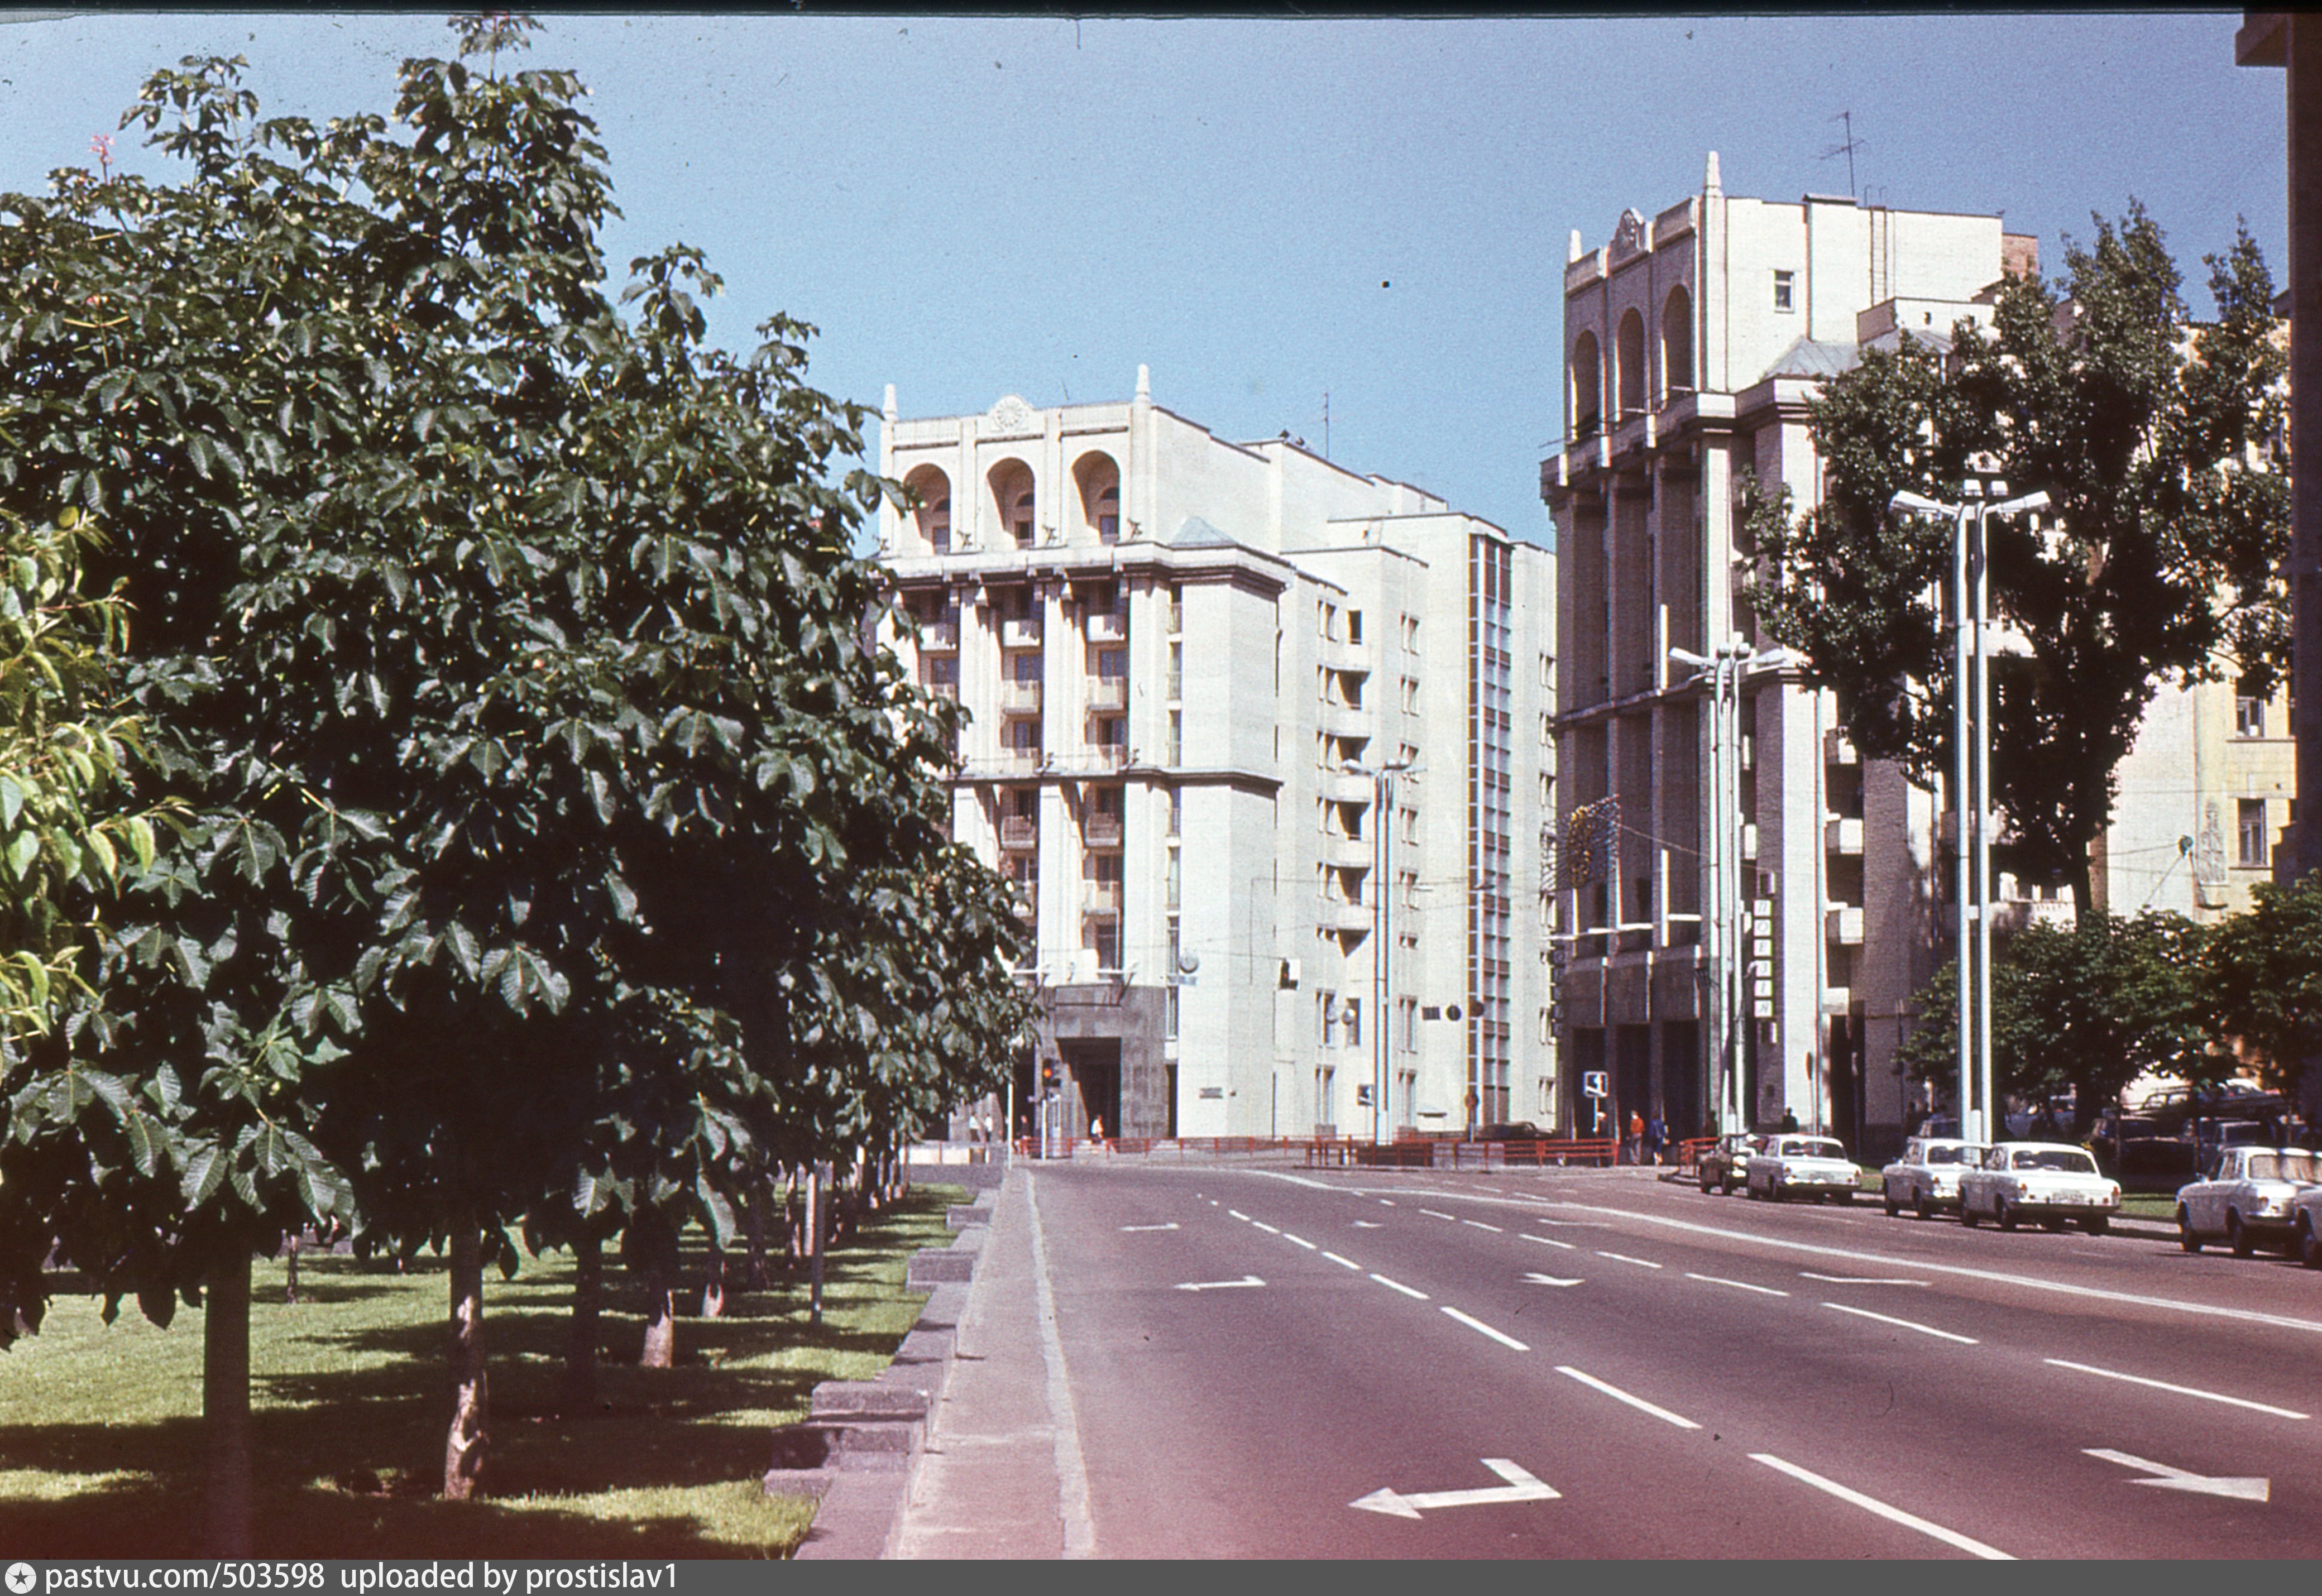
x=100 y=1443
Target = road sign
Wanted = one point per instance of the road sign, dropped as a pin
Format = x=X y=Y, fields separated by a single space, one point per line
x=1592 y=1084
x=1520 y=1486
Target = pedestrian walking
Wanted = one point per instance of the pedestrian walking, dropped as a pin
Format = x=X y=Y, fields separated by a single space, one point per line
x=1656 y=1139
x=1636 y=1138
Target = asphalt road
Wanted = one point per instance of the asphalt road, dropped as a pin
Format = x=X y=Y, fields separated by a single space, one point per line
x=1628 y=1368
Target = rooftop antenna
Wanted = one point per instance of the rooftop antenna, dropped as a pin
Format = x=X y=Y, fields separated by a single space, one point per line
x=1326 y=423
x=1847 y=147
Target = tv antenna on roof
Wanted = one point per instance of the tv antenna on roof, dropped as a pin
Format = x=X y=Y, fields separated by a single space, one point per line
x=1847 y=147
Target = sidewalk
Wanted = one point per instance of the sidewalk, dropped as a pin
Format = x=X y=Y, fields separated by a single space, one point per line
x=987 y=1482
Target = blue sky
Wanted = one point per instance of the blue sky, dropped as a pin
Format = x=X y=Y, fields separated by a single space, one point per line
x=1262 y=211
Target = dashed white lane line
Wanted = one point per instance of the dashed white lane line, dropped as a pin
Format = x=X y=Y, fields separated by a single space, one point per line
x=1857 y=1280
x=1269 y=1229
x=1548 y=1241
x=1348 y=1263
x=1299 y=1240
x=1625 y=1258
x=1480 y=1225
x=2182 y=1390
x=1387 y=1202
x=1739 y=1285
x=1618 y=1395
x=1238 y=1214
x=1950 y=1537
x=1432 y=1214
x=1903 y=1324
x=1480 y=1327
x=1396 y=1285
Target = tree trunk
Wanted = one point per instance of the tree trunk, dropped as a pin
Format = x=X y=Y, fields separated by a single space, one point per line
x=713 y=1288
x=225 y=1406
x=579 y=1393
x=465 y=1448
x=813 y=1228
x=753 y=1220
x=290 y=1290
x=660 y=1273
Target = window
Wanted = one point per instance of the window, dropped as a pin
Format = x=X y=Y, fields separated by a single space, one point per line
x=1410 y=697
x=1172 y=883
x=1177 y=668
x=1176 y=812
x=1023 y=737
x=2249 y=716
x=1019 y=518
x=1113 y=663
x=1104 y=936
x=1354 y=625
x=1410 y=825
x=1328 y=617
x=1108 y=515
x=1024 y=667
x=1406 y=1016
x=1177 y=608
x=1176 y=736
x=1411 y=634
x=1351 y=1011
x=1326 y=1010
x=2252 y=816
x=1785 y=284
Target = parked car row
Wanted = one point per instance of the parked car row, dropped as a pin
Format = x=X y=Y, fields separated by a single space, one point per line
x=2252 y=1196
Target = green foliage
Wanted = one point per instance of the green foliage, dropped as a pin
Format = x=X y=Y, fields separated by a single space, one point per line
x=2088 y=1010
x=2152 y=435
x=553 y=819
x=2263 y=988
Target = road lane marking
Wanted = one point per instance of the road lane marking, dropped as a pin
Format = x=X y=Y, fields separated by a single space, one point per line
x=1739 y=1285
x=1480 y=1327
x=1432 y=1214
x=1495 y=1191
x=1269 y=1229
x=1299 y=1240
x=1133 y=1229
x=1625 y=1258
x=1537 y=1278
x=1396 y=1285
x=1368 y=1225
x=1238 y=1214
x=1949 y=1537
x=1522 y=1486
x=2028 y=1282
x=1480 y=1225
x=1856 y=1280
x=1350 y=1262
x=1549 y=1241
x=1219 y=1285
x=1618 y=1395
x=1904 y=1323
x=2242 y=1487
x=1385 y=1203
x=2182 y=1390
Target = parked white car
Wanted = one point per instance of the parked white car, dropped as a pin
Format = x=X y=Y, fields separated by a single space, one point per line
x=2052 y=1182
x=2306 y=1225
x=1926 y=1177
x=1801 y=1167
x=2250 y=1200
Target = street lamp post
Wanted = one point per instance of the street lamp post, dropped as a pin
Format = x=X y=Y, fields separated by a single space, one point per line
x=1971 y=781
x=1722 y=671
x=1382 y=932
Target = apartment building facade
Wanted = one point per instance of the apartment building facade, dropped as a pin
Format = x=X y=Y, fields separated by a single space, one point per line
x=1693 y=342
x=1262 y=743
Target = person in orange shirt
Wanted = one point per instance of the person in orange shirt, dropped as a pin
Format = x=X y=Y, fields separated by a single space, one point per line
x=1636 y=1137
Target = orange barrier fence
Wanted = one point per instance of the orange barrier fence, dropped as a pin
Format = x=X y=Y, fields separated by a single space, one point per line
x=1689 y=1150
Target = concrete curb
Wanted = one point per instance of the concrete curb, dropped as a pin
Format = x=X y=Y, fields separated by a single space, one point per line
x=855 y=1454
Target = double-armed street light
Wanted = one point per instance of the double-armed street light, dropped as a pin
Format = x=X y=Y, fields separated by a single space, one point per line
x=1972 y=645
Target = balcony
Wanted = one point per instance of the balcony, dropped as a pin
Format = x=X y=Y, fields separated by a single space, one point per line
x=1026 y=907
x=941 y=689
x=1345 y=853
x=2011 y=915
x=1101 y=830
x=1003 y=765
x=1842 y=835
x=1843 y=925
x=1100 y=900
x=1340 y=721
x=1108 y=625
x=939 y=637
x=1019 y=635
x=1105 y=756
x=1018 y=831
x=1337 y=655
x=1344 y=787
x=1109 y=693
x=1338 y=915
x=1019 y=698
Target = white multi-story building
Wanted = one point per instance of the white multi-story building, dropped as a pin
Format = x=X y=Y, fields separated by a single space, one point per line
x=1193 y=670
x=1693 y=342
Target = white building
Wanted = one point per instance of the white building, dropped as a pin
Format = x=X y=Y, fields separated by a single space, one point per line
x=1184 y=663
x=1693 y=342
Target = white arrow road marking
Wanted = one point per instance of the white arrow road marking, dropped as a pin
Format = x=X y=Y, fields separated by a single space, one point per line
x=1548 y=1280
x=1859 y=1280
x=2246 y=1487
x=1950 y=1537
x=1133 y=1228
x=1219 y=1285
x=1742 y=1285
x=1481 y=1328
x=1618 y=1395
x=2182 y=1390
x=1550 y=1242
x=1520 y=1486
x=1903 y=1324
x=1398 y=1286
